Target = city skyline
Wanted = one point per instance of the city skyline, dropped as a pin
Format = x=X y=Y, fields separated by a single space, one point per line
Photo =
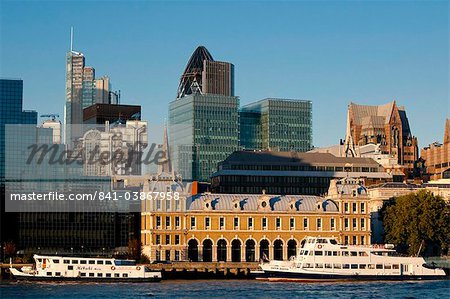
x=327 y=54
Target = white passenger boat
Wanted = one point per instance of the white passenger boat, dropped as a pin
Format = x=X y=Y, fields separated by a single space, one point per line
x=85 y=269
x=322 y=259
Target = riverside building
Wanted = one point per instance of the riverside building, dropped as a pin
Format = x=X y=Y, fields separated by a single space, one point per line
x=250 y=227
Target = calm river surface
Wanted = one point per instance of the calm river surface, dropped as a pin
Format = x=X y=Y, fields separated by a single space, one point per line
x=226 y=289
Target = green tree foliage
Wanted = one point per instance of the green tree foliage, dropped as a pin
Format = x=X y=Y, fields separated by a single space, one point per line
x=415 y=219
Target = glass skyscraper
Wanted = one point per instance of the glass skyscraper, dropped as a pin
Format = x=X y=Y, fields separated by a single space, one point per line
x=277 y=125
x=204 y=130
x=11 y=112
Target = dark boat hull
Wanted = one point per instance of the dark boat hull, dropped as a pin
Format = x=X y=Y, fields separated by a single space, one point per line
x=306 y=277
x=87 y=279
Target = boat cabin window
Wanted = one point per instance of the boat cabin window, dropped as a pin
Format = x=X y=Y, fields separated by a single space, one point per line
x=379 y=266
x=344 y=253
x=322 y=241
x=333 y=241
x=83 y=261
x=345 y=266
x=69 y=267
x=124 y=275
x=91 y=262
x=49 y=273
x=116 y=275
x=108 y=263
x=307 y=265
x=362 y=253
x=91 y=274
x=124 y=263
x=108 y=274
x=56 y=261
x=99 y=262
x=82 y=274
x=353 y=266
x=318 y=252
x=387 y=266
x=337 y=266
x=395 y=266
x=99 y=274
x=353 y=253
x=39 y=260
x=362 y=266
x=311 y=252
x=74 y=262
x=57 y=273
x=328 y=266
x=371 y=266
x=66 y=262
x=311 y=241
x=319 y=266
x=335 y=253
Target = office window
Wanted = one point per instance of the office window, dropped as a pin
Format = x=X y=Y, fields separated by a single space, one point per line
x=177 y=255
x=319 y=224
x=346 y=209
x=250 y=223
x=177 y=239
x=346 y=224
x=207 y=222
x=278 y=223
x=305 y=223
x=363 y=207
x=193 y=223
x=292 y=223
x=158 y=239
x=355 y=207
x=264 y=223
x=363 y=241
x=167 y=221
x=177 y=221
x=363 y=224
x=158 y=221
x=355 y=225
x=355 y=240
x=167 y=239
x=333 y=224
x=346 y=240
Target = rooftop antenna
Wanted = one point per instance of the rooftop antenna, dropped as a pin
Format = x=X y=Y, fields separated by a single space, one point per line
x=71 y=38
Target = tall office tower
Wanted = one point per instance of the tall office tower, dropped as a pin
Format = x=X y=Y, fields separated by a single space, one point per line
x=206 y=76
x=204 y=130
x=11 y=112
x=82 y=91
x=386 y=125
x=277 y=124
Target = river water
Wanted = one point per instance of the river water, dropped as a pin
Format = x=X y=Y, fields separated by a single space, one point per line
x=204 y=289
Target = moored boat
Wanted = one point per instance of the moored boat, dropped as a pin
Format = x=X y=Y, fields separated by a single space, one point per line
x=57 y=268
x=323 y=259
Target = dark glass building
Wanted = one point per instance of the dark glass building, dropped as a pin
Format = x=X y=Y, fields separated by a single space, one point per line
x=277 y=124
x=11 y=112
x=98 y=114
x=251 y=172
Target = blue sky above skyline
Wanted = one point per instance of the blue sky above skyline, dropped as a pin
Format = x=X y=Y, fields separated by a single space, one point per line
x=331 y=53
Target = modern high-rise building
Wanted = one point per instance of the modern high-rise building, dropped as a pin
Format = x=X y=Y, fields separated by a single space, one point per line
x=277 y=124
x=11 y=112
x=82 y=91
x=204 y=75
x=204 y=130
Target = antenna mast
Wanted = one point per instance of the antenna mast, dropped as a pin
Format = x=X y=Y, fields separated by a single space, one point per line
x=71 y=38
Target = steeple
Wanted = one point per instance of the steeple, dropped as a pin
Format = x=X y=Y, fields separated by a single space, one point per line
x=166 y=165
x=349 y=144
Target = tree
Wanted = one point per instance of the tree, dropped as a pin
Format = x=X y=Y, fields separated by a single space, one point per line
x=9 y=249
x=134 y=249
x=417 y=219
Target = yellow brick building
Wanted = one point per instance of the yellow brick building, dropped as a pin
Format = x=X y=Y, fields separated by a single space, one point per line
x=242 y=227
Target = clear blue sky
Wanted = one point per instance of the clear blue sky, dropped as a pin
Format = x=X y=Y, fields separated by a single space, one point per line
x=328 y=52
